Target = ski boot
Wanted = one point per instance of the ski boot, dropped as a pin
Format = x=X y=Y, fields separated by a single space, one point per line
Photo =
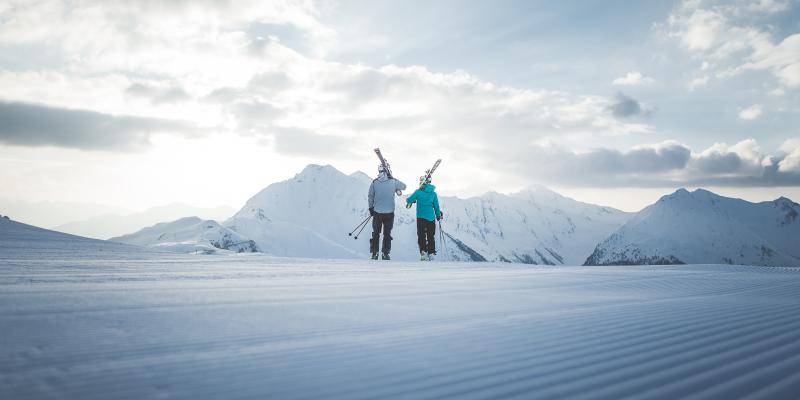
x=430 y=256
x=385 y=256
x=374 y=255
x=423 y=256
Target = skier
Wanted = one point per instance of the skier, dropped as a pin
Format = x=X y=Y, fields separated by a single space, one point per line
x=381 y=207
x=428 y=213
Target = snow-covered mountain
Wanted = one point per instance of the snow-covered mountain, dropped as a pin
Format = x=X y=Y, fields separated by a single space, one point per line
x=535 y=226
x=190 y=234
x=310 y=215
x=702 y=227
x=19 y=240
x=110 y=225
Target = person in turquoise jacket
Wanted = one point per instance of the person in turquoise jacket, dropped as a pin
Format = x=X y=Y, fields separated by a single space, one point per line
x=428 y=213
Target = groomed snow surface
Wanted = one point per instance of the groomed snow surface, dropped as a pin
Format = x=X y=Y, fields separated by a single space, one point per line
x=78 y=325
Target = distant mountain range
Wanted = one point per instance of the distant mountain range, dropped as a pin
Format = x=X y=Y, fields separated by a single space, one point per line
x=52 y=214
x=114 y=224
x=702 y=227
x=190 y=234
x=310 y=215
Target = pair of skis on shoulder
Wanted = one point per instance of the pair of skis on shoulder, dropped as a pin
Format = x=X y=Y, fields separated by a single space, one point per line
x=423 y=179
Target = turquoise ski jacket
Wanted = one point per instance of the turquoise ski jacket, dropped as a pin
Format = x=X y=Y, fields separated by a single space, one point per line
x=427 y=202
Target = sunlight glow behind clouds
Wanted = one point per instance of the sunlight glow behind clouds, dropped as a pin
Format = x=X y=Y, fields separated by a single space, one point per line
x=255 y=74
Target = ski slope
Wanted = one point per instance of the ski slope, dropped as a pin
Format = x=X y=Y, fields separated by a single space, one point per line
x=18 y=240
x=238 y=326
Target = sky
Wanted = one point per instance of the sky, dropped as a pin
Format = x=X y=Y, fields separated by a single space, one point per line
x=129 y=105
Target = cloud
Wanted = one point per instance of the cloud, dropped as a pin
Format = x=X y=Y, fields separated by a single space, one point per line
x=253 y=69
x=391 y=103
x=624 y=106
x=305 y=143
x=750 y=113
x=665 y=164
x=633 y=78
x=639 y=166
x=28 y=124
x=791 y=160
x=157 y=94
x=153 y=19
x=782 y=60
x=718 y=163
x=744 y=157
x=724 y=36
x=269 y=81
x=768 y=6
x=234 y=66
x=701 y=29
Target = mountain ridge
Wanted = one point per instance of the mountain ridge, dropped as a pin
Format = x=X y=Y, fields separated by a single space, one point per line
x=703 y=227
x=309 y=215
x=320 y=204
x=109 y=225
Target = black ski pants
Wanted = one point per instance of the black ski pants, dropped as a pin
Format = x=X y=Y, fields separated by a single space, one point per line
x=426 y=235
x=380 y=222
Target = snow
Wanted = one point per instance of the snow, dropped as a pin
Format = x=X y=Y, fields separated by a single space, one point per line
x=311 y=214
x=190 y=234
x=702 y=227
x=87 y=323
x=23 y=240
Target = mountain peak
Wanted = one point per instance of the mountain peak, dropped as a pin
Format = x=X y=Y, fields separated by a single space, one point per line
x=679 y=194
x=784 y=201
x=701 y=191
x=361 y=176
x=683 y=197
x=314 y=172
x=315 y=169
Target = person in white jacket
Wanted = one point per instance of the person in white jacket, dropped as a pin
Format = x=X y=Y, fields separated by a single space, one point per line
x=381 y=207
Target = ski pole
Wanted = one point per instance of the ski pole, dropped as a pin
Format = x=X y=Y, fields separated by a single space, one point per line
x=359 y=225
x=362 y=227
x=441 y=237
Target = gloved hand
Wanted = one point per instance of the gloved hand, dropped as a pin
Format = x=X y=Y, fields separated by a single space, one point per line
x=408 y=205
x=440 y=216
x=372 y=211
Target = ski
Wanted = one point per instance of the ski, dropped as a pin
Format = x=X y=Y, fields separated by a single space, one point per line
x=383 y=163
x=425 y=178
x=386 y=166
